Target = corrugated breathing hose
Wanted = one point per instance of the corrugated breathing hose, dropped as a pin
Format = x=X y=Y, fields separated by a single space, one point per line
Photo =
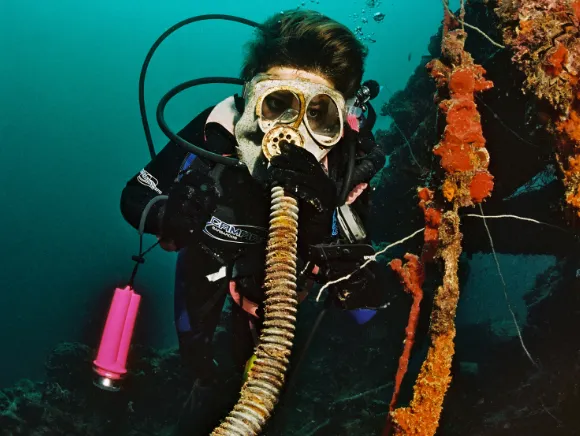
x=261 y=391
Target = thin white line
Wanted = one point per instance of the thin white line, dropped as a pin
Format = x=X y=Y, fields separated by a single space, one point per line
x=505 y=286
x=504 y=216
x=370 y=259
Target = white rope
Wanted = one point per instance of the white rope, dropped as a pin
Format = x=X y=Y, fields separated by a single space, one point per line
x=368 y=260
x=504 y=283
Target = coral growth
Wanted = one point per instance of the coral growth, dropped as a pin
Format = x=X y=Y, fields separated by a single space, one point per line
x=521 y=159
x=432 y=222
x=412 y=276
x=467 y=181
x=68 y=404
x=544 y=36
x=462 y=149
x=421 y=417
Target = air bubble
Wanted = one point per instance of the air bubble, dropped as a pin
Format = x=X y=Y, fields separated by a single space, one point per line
x=378 y=17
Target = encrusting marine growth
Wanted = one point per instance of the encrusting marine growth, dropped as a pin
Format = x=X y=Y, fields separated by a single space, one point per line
x=544 y=37
x=467 y=182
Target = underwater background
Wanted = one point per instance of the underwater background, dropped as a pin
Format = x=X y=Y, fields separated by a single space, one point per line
x=71 y=136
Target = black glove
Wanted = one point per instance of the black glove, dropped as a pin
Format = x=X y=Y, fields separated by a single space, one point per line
x=188 y=207
x=368 y=287
x=300 y=174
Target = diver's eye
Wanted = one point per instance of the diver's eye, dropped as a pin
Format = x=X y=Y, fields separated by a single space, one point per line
x=275 y=104
x=280 y=103
x=313 y=113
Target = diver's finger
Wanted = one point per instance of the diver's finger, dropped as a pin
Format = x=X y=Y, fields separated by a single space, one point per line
x=298 y=157
x=304 y=154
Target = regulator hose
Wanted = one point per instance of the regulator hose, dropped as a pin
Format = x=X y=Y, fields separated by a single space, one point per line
x=155 y=46
x=261 y=391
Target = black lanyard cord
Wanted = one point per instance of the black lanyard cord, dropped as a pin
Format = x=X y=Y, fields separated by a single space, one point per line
x=140 y=258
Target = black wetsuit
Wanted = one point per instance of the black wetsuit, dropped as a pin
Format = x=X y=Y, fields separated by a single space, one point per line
x=232 y=246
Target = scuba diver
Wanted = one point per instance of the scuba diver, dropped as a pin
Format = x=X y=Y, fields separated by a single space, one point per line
x=304 y=71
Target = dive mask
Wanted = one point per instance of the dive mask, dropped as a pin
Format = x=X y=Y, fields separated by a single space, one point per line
x=300 y=112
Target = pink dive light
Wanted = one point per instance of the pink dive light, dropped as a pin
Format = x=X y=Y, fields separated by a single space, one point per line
x=110 y=364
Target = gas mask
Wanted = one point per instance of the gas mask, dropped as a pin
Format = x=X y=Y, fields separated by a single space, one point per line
x=299 y=112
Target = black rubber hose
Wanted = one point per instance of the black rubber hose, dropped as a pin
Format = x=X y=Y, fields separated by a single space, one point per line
x=349 y=172
x=152 y=51
x=178 y=139
x=371 y=118
x=139 y=259
x=146 y=211
x=369 y=125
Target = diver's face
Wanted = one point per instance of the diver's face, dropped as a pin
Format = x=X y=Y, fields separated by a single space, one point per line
x=302 y=106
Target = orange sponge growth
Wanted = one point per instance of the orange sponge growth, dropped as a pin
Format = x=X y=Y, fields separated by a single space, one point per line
x=571 y=126
x=576 y=8
x=556 y=60
x=481 y=186
x=432 y=223
x=421 y=418
x=467 y=181
x=462 y=149
x=412 y=276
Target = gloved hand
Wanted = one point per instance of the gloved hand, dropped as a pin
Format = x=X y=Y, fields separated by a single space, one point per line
x=300 y=174
x=188 y=207
x=368 y=287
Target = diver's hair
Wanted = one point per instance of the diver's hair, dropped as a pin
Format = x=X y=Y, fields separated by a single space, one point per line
x=310 y=41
